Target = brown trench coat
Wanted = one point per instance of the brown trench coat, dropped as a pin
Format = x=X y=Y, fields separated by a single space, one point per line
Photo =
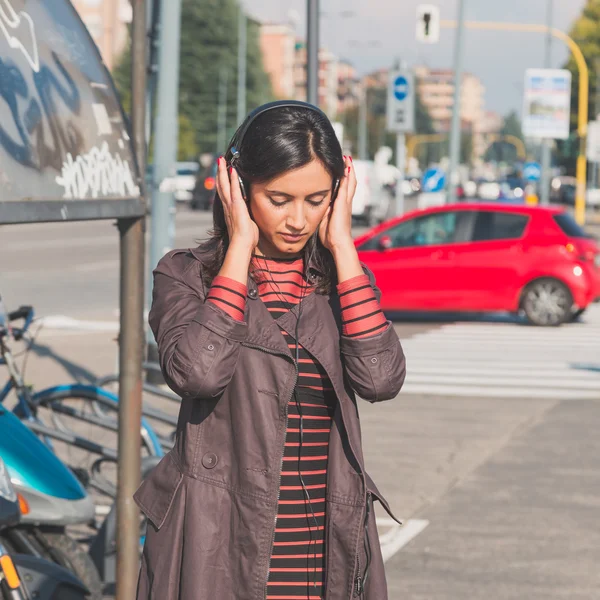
x=212 y=501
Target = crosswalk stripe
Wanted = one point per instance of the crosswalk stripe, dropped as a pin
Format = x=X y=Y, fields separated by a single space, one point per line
x=507 y=360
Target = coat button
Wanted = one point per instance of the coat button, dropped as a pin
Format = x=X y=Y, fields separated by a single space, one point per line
x=374 y=360
x=253 y=293
x=210 y=347
x=209 y=460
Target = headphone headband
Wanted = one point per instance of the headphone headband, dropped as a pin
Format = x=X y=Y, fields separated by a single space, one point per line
x=241 y=133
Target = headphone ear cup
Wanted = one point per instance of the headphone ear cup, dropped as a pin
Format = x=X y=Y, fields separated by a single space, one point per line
x=336 y=189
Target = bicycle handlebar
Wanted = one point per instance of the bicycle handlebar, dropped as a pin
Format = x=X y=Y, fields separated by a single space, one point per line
x=25 y=313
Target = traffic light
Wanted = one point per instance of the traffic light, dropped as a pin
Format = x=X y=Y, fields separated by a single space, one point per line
x=428 y=23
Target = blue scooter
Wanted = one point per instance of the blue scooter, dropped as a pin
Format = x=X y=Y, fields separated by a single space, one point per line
x=26 y=576
x=50 y=495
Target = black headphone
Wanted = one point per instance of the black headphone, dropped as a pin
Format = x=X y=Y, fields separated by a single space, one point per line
x=239 y=135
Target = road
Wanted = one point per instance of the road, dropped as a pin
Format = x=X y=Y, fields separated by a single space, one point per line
x=73 y=269
x=491 y=452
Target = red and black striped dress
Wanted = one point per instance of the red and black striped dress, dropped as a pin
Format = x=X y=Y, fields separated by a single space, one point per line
x=297 y=567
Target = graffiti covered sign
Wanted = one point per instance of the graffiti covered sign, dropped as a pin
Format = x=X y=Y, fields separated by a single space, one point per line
x=62 y=133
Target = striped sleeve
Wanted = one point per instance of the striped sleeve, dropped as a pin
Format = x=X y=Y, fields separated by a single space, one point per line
x=229 y=295
x=361 y=314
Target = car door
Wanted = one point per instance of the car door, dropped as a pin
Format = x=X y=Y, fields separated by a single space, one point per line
x=414 y=261
x=490 y=262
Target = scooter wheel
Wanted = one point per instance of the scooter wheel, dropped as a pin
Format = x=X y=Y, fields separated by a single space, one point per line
x=65 y=551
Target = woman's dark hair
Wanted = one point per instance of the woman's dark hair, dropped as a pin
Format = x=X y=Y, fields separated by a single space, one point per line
x=280 y=140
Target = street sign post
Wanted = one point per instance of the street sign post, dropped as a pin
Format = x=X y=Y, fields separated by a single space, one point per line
x=547 y=103
x=428 y=23
x=401 y=120
x=401 y=102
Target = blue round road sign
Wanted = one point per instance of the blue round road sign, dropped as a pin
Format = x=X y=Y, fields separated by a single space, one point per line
x=400 y=87
x=434 y=180
x=532 y=171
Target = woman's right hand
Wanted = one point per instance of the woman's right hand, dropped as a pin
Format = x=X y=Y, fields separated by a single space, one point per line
x=243 y=231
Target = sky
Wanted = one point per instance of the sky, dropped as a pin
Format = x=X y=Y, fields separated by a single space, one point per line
x=381 y=31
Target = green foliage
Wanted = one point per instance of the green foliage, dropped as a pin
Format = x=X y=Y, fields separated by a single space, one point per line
x=502 y=151
x=586 y=34
x=209 y=32
x=188 y=147
x=512 y=125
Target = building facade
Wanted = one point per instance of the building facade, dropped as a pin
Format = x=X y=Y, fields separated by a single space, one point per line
x=328 y=78
x=278 y=47
x=436 y=89
x=348 y=86
x=107 y=22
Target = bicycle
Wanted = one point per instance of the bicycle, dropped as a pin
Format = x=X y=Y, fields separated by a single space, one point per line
x=68 y=407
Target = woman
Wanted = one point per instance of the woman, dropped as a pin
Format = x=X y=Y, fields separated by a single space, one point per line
x=267 y=331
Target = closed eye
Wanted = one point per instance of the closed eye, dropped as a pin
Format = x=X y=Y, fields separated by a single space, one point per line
x=279 y=204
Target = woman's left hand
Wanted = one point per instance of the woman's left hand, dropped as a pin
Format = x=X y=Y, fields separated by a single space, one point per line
x=335 y=231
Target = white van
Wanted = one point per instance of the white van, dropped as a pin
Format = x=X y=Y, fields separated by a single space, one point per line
x=371 y=201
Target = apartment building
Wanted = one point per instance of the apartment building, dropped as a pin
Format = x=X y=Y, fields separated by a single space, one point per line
x=107 y=22
x=436 y=88
x=278 y=47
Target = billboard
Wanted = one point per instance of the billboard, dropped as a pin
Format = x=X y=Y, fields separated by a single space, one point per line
x=547 y=103
x=63 y=137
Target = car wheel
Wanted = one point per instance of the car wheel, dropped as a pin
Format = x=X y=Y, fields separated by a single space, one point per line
x=547 y=302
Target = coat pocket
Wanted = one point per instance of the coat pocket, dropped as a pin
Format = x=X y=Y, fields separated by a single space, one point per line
x=374 y=491
x=155 y=494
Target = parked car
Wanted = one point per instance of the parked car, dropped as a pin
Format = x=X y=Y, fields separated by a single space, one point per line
x=562 y=190
x=185 y=180
x=483 y=257
x=205 y=186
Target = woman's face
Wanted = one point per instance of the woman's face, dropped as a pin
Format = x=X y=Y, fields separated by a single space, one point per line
x=289 y=208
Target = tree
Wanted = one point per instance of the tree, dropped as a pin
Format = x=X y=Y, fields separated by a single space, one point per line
x=502 y=151
x=208 y=48
x=586 y=34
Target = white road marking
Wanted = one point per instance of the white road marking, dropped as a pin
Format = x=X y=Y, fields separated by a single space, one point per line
x=397 y=537
x=507 y=360
x=62 y=322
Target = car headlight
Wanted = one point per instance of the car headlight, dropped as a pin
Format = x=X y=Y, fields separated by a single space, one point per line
x=7 y=491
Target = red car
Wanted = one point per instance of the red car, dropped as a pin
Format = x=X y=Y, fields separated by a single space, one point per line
x=485 y=258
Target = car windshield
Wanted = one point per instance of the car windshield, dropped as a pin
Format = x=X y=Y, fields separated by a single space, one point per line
x=569 y=226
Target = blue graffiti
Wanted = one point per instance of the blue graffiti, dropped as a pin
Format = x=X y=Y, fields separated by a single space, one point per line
x=41 y=113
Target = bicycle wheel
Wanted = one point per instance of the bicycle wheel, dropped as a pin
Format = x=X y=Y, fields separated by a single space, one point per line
x=92 y=451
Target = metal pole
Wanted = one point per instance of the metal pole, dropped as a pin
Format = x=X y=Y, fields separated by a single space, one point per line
x=595 y=165
x=131 y=339
x=363 y=151
x=401 y=164
x=222 y=111
x=547 y=143
x=166 y=130
x=456 y=107
x=130 y=403
x=242 y=50
x=312 y=52
x=153 y=20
